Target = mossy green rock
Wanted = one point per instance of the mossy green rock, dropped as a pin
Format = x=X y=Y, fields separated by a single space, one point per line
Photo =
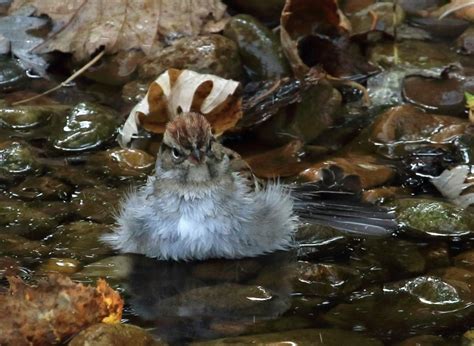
x=87 y=126
x=315 y=337
x=434 y=218
x=259 y=48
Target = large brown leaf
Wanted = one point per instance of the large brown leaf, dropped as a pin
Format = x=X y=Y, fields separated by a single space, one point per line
x=83 y=26
x=54 y=310
x=181 y=91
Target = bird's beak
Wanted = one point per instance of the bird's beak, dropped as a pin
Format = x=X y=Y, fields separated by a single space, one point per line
x=196 y=155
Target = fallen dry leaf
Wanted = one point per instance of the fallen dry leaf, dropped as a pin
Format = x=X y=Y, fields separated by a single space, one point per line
x=175 y=92
x=461 y=8
x=303 y=18
x=54 y=309
x=83 y=26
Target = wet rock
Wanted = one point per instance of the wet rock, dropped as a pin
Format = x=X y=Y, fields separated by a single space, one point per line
x=425 y=163
x=424 y=340
x=326 y=280
x=224 y=299
x=436 y=255
x=17 y=159
x=221 y=270
x=87 y=126
x=383 y=194
x=134 y=91
x=114 y=334
x=269 y=10
x=457 y=276
x=448 y=28
x=34 y=188
x=468 y=338
x=17 y=246
x=11 y=74
x=465 y=260
x=116 y=69
x=415 y=54
x=316 y=241
x=25 y=117
x=97 y=203
x=404 y=129
x=382 y=16
x=414 y=7
x=65 y=266
x=316 y=337
x=122 y=162
x=377 y=260
x=443 y=96
x=237 y=328
x=433 y=218
x=9 y=267
x=409 y=306
x=352 y=6
x=465 y=42
x=283 y=161
x=317 y=110
x=113 y=269
x=211 y=54
x=73 y=176
x=365 y=168
x=23 y=219
x=259 y=48
x=79 y=240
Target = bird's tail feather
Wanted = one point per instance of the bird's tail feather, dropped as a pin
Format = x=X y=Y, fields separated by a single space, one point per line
x=342 y=210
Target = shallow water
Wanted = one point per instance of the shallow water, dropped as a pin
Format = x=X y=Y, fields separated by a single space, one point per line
x=60 y=187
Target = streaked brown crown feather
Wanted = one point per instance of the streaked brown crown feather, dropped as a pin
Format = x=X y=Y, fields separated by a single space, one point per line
x=188 y=130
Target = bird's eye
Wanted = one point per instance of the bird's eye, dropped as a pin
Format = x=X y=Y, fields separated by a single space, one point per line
x=176 y=154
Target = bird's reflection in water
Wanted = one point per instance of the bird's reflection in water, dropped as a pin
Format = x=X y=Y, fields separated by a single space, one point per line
x=197 y=300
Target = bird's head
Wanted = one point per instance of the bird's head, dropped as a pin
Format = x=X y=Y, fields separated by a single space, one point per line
x=189 y=151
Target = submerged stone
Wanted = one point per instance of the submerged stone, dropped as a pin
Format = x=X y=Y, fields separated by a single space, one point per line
x=65 y=266
x=315 y=337
x=114 y=334
x=410 y=306
x=87 y=126
x=326 y=279
x=122 y=162
x=22 y=219
x=33 y=188
x=17 y=159
x=79 y=240
x=25 y=117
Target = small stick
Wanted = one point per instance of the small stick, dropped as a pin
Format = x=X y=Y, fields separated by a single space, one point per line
x=70 y=79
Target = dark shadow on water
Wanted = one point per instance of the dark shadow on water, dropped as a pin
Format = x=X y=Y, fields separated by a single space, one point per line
x=183 y=301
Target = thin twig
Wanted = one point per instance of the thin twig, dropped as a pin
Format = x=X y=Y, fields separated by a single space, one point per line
x=63 y=84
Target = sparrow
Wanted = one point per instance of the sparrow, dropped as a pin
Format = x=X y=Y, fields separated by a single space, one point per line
x=203 y=202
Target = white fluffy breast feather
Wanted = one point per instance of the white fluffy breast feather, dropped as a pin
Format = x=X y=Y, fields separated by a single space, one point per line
x=226 y=220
